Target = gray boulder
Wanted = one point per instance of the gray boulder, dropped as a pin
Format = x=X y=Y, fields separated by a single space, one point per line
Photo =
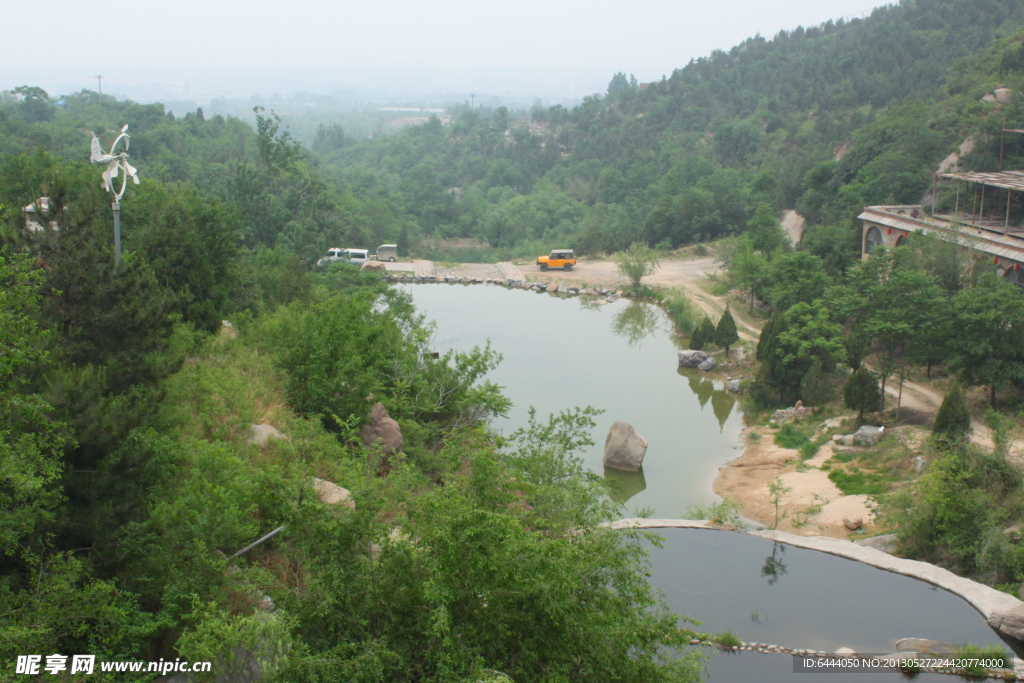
x=624 y=449
x=691 y=358
x=377 y=266
x=853 y=523
x=734 y=385
x=261 y=434
x=846 y=440
x=868 y=435
x=708 y=364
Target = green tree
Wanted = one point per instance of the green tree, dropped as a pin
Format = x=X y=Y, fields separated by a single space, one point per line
x=704 y=335
x=637 y=262
x=726 y=333
x=953 y=421
x=816 y=388
x=986 y=348
x=860 y=392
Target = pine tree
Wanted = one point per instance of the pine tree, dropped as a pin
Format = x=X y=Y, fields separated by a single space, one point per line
x=816 y=387
x=726 y=334
x=861 y=392
x=703 y=335
x=953 y=421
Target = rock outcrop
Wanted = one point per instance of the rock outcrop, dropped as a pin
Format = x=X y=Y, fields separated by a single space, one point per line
x=708 y=364
x=868 y=435
x=691 y=358
x=624 y=449
x=382 y=434
x=261 y=434
x=330 y=493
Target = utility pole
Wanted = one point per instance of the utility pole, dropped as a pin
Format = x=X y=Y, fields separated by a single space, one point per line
x=472 y=96
x=99 y=84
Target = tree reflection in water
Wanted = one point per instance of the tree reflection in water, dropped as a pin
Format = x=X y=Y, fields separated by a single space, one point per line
x=774 y=568
x=634 y=322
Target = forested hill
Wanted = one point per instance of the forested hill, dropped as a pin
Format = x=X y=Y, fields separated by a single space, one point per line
x=823 y=120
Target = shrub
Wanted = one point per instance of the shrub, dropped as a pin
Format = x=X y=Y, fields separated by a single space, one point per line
x=953 y=421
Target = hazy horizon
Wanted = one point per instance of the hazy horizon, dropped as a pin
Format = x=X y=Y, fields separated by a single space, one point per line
x=197 y=52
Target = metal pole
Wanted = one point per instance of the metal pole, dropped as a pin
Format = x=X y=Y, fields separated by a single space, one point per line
x=116 y=206
x=1007 y=223
x=956 y=207
x=255 y=543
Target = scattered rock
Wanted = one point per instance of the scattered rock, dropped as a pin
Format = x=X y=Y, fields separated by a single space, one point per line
x=846 y=440
x=261 y=434
x=868 y=435
x=691 y=358
x=853 y=523
x=376 y=266
x=989 y=98
x=734 y=385
x=784 y=415
x=1003 y=95
x=708 y=364
x=836 y=438
x=553 y=287
x=624 y=449
x=330 y=493
x=831 y=423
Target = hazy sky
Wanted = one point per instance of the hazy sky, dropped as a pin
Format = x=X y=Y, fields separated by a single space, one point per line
x=648 y=38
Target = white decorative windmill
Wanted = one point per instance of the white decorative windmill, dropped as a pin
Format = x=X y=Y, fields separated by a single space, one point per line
x=117 y=164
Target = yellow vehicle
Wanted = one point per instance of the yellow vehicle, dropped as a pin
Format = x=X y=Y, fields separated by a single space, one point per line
x=559 y=258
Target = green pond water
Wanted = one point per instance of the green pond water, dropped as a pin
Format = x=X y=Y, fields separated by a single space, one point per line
x=562 y=352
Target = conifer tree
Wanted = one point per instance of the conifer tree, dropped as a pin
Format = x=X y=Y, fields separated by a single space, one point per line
x=726 y=334
x=703 y=335
x=861 y=392
x=953 y=421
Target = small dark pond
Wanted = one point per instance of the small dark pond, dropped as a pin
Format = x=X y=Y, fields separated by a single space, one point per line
x=775 y=593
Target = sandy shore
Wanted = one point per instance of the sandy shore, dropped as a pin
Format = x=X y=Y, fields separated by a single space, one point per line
x=813 y=505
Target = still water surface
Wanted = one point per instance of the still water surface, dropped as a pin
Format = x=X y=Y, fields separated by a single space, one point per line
x=562 y=352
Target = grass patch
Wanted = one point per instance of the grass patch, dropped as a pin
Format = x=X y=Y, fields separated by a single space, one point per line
x=790 y=436
x=721 y=513
x=855 y=481
x=678 y=307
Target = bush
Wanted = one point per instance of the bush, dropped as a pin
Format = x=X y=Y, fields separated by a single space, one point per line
x=861 y=392
x=680 y=310
x=789 y=436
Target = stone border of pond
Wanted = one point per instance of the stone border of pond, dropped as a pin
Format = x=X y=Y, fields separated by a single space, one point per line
x=510 y=283
x=993 y=604
x=987 y=600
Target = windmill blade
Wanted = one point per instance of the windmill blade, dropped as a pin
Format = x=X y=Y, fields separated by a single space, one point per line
x=98 y=156
x=131 y=171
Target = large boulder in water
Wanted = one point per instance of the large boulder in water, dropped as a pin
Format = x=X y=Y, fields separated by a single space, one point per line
x=691 y=358
x=708 y=364
x=624 y=449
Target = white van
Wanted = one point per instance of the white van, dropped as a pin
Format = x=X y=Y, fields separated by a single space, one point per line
x=387 y=252
x=354 y=256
